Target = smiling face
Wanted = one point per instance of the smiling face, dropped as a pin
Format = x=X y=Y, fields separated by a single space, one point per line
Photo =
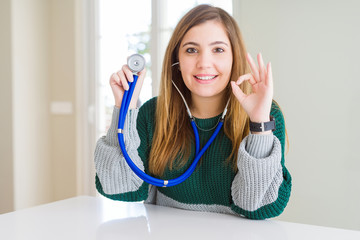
x=205 y=57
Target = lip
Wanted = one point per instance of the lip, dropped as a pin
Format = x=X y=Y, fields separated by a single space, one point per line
x=205 y=81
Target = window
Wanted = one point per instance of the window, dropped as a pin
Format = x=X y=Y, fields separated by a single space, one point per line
x=123 y=29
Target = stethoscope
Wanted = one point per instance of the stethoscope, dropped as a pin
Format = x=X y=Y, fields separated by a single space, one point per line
x=136 y=63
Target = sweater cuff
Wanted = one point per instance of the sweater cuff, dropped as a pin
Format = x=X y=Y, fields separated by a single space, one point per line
x=130 y=121
x=259 y=146
x=258 y=180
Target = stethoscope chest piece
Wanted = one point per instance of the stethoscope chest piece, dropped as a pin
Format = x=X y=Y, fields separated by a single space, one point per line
x=136 y=63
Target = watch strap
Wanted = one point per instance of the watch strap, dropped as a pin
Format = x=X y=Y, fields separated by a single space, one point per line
x=263 y=126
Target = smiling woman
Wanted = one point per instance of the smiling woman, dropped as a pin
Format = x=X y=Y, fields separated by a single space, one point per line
x=243 y=171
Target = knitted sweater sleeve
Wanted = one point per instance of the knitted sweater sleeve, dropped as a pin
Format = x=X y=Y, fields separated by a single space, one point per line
x=262 y=186
x=114 y=178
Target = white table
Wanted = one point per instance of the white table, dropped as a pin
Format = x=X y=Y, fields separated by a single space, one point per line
x=98 y=218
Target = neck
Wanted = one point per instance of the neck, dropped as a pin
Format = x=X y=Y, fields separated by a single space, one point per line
x=207 y=107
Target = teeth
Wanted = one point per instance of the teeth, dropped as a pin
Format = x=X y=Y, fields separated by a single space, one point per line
x=205 y=77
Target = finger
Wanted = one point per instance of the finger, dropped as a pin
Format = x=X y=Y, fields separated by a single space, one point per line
x=137 y=90
x=128 y=73
x=123 y=80
x=244 y=77
x=142 y=74
x=114 y=78
x=239 y=94
x=261 y=67
x=253 y=67
x=269 y=77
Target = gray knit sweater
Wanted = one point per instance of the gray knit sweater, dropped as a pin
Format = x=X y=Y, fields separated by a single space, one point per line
x=259 y=189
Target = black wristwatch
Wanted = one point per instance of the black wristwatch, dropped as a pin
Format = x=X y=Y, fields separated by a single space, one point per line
x=264 y=126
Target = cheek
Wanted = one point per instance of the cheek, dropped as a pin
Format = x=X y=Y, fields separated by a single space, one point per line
x=226 y=69
x=226 y=65
x=186 y=62
x=186 y=70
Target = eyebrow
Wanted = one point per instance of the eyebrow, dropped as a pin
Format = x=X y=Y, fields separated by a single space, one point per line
x=211 y=44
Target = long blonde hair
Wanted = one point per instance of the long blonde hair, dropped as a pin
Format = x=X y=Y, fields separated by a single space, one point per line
x=173 y=134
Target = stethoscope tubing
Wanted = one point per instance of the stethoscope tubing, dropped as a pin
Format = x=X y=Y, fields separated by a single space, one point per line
x=147 y=178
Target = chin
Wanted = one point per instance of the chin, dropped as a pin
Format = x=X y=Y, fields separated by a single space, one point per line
x=206 y=94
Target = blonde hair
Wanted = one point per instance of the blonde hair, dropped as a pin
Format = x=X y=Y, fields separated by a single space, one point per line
x=173 y=134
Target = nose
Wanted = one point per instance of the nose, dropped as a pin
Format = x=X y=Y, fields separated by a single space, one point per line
x=204 y=60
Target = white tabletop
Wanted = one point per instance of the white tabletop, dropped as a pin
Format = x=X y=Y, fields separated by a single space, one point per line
x=98 y=218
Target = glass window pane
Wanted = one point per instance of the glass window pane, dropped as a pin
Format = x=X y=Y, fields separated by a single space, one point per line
x=124 y=28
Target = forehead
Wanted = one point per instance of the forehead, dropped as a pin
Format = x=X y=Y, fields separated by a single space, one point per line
x=207 y=32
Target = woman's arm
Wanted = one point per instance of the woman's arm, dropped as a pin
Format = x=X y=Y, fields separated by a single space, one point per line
x=114 y=178
x=262 y=186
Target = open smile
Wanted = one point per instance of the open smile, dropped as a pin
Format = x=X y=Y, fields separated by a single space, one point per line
x=202 y=78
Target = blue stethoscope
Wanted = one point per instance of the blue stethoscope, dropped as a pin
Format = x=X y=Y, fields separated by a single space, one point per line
x=136 y=64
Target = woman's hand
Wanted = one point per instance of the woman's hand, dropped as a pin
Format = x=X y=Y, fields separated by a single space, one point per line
x=257 y=104
x=119 y=83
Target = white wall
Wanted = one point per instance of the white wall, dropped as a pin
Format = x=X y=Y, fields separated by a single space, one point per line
x=30 y=69
x=38 y=148
x=62 y=89
x=314 y=50
x=6 y=149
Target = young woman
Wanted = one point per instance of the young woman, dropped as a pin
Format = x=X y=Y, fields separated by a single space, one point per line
x=243 y=171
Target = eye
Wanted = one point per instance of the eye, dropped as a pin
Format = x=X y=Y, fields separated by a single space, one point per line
x=218 y=50
x=191 y=50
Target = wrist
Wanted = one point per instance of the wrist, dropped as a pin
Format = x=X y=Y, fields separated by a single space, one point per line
x=262 y=127
x=260 y=119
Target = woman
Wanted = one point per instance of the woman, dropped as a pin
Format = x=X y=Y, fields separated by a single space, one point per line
x=243 y=171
